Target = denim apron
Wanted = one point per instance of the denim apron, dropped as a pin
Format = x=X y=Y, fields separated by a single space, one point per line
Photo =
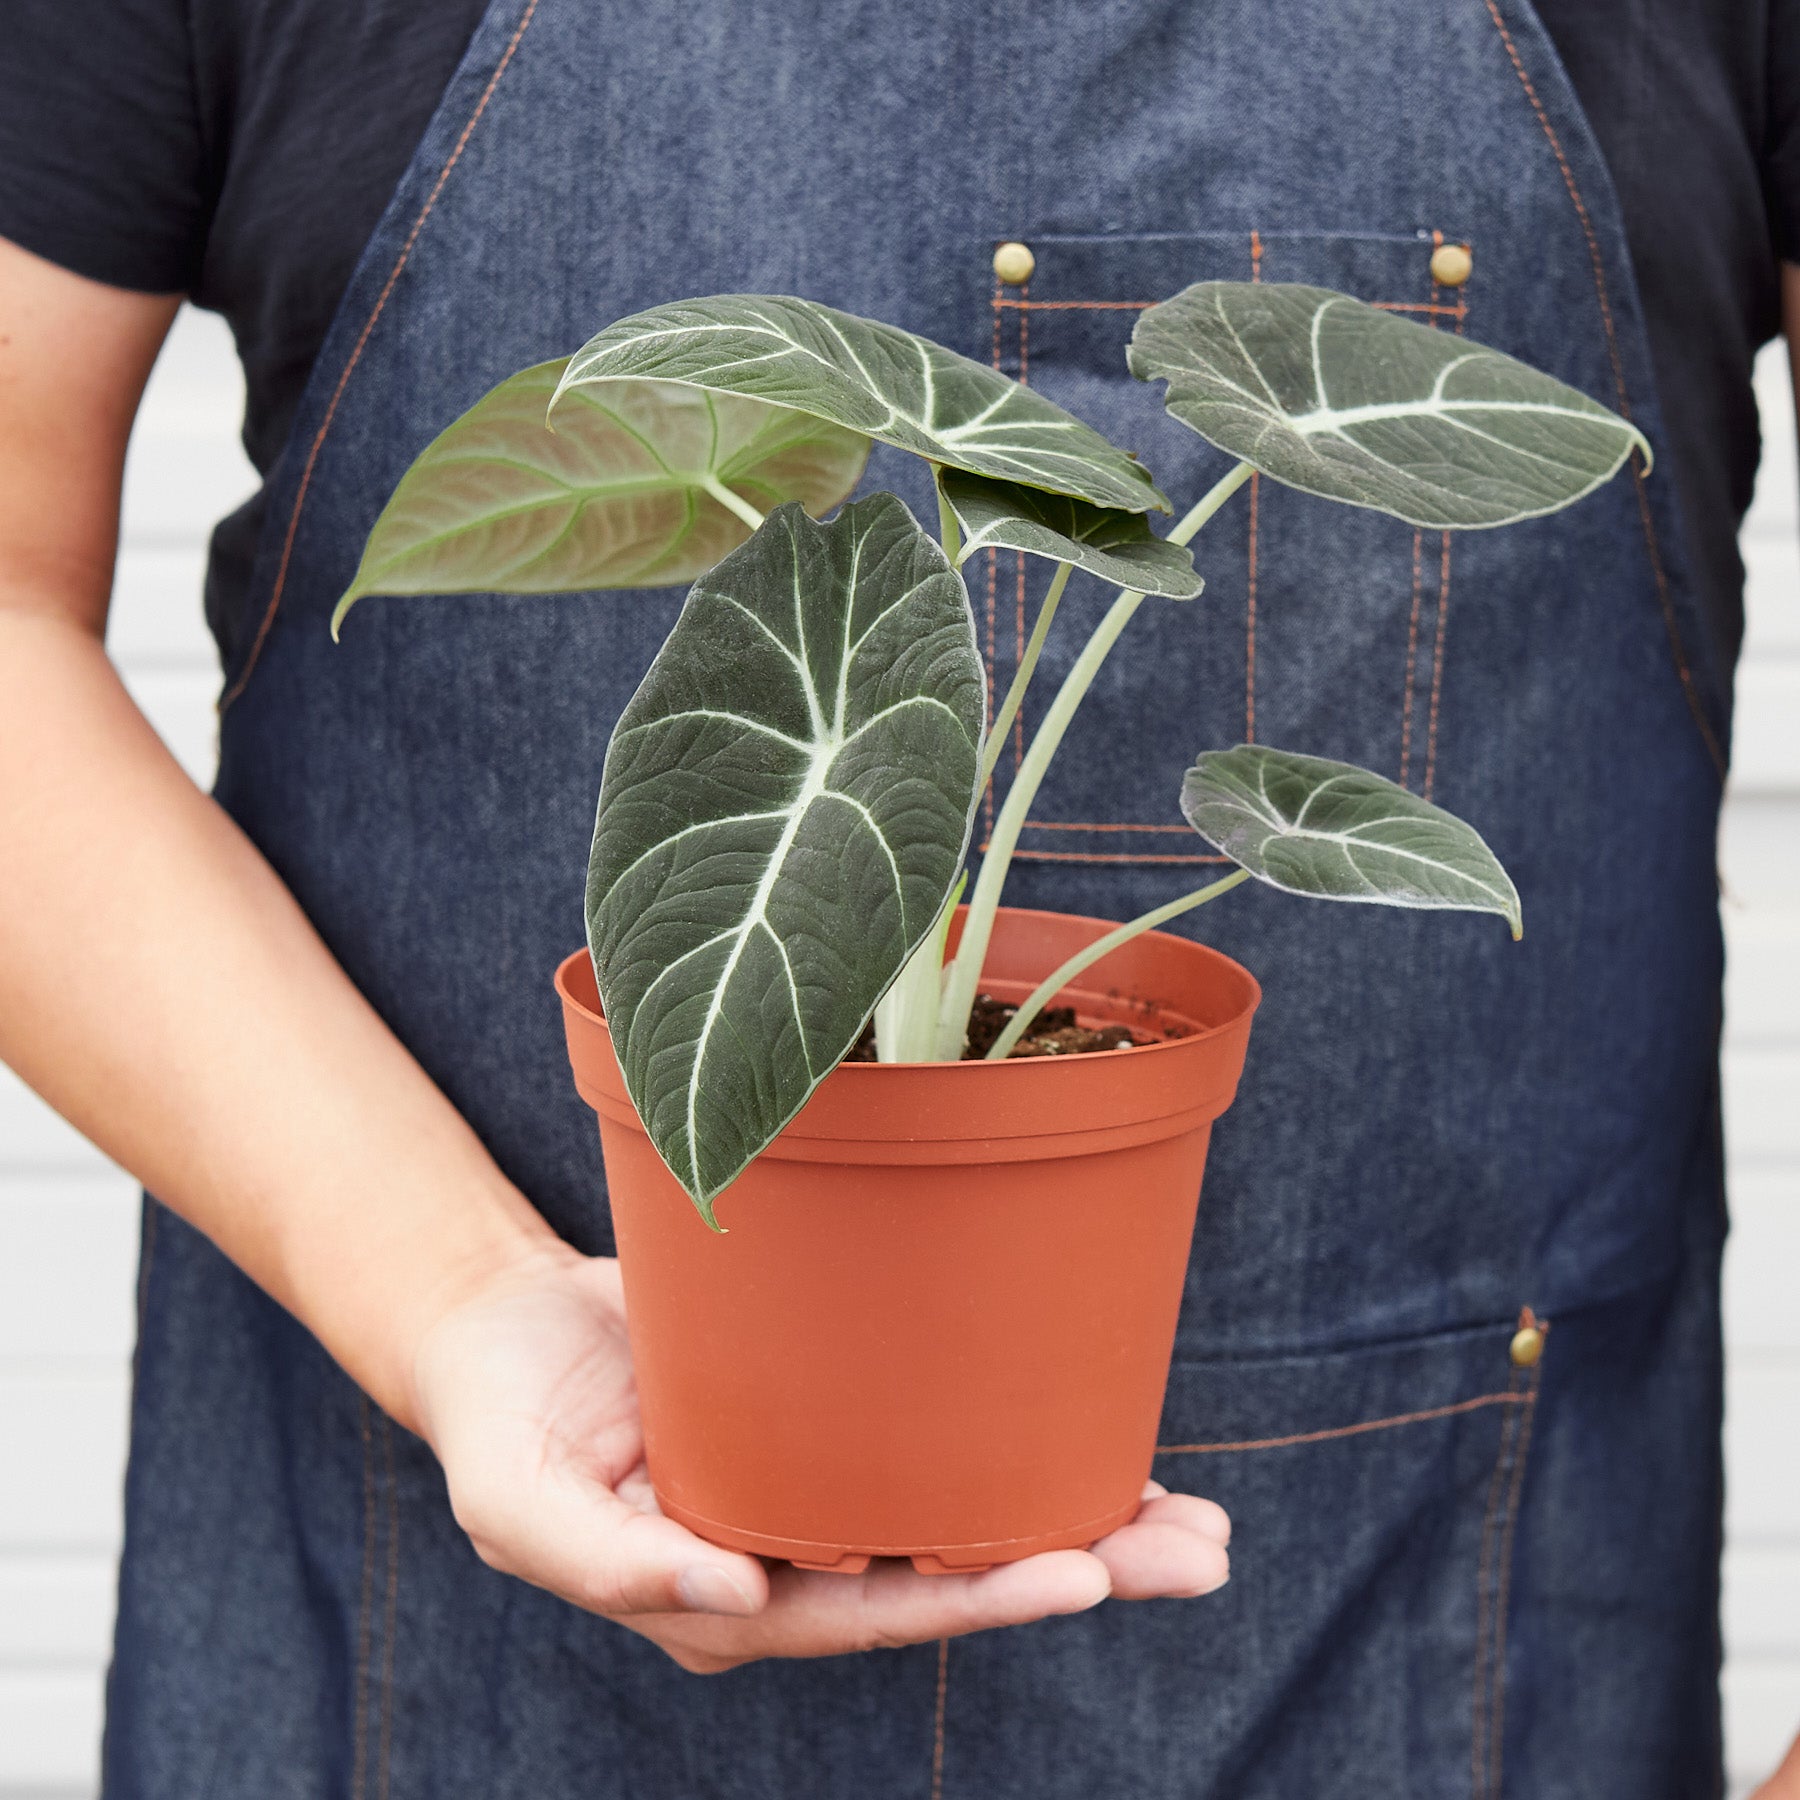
x=1459 y=1571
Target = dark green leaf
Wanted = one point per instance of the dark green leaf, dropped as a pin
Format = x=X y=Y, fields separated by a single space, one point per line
x=1117 y=546
x=786 y=804
x=1341 y=399
x=872 y=378
x=1336 y=832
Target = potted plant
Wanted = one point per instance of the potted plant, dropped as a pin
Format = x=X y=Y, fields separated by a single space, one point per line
x=940 y=1326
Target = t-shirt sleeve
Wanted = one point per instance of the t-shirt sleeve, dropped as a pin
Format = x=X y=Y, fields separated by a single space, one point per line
x=102 y=159
x=1781 y=164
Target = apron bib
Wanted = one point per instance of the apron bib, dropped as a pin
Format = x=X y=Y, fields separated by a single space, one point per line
x=1454 y=1575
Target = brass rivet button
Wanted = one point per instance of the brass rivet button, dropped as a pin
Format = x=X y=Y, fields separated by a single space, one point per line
x=1451 y=266
x=1527 y=1346
x=1013 y=263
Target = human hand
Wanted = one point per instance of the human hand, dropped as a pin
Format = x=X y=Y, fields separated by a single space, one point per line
x=525 y=1391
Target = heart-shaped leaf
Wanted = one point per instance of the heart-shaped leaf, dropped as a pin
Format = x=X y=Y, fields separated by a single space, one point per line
x=617 y=495
x=1337 y=832
x=1117 y=546
x=872 y=378
x=786 y=804
x=1341 y=399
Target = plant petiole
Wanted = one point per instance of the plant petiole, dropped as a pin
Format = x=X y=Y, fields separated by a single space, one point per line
x=984 y=902
x=1209 y=503
x=731 y=502
x=1015 y=694
x=949 y=531
x=1058 y=979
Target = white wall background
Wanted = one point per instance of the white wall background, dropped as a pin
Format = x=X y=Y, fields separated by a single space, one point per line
x=68 y=1218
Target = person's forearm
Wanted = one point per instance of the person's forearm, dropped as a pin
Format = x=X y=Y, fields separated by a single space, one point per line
x=161 y=988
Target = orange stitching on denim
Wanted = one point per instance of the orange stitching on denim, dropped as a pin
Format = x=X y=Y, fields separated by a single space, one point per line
x=987 y=801
x=1250 y=617
x=1598 y=263
x=1512 y=1397
x=1024 y=336
x=390 y=1613
x=1412 y=625
x=318 y=443
x=364 y=1619
x=937 y=1726
x=1581 y=211
x=1478 y=1703
x=1004 y=305
x=1019 y=655
x=1490 y=1617
x=1412 y=658
x=1671 y=625
x=1111 y=856
x=1075 y=305
x=1522 y=1448
x=1437 y=667
x=1459 y=311
x=1060 y=825
x=993 y=559
x=1256 y=256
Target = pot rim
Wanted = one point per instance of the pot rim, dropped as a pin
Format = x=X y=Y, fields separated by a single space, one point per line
x=1025 y=1065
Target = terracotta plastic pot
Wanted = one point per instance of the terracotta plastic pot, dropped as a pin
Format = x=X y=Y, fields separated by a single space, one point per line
x=940 y=1319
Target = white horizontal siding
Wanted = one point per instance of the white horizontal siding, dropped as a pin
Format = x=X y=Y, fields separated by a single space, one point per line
x=50 y=1732
x=67 y=1276
x=68 y=1220
x=56 y=1609
x=1760 y=865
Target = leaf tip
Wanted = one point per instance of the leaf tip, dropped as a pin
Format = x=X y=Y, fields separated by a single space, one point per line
x=340 y=611
x=561 y=388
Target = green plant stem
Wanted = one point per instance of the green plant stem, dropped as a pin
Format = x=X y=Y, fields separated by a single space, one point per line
x=1053 y=983
x=732 y=502
x=984 y=902
x=949 y=531
x=906 y=1019
x=1015 y=694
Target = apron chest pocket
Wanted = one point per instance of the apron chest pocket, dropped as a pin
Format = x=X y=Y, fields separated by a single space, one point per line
x=1323 y=628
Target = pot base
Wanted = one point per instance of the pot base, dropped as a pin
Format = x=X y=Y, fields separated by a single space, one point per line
x=941 y=1559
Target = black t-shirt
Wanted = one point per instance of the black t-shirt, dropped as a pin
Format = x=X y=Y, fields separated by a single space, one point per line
x=241 y=152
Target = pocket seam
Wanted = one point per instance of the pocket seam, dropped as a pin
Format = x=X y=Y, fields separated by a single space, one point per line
x=1513 y=1396
x=1023 y=306
x=1487 y=1726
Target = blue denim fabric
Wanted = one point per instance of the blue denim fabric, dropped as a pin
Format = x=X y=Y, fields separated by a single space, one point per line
x=1453 y=1576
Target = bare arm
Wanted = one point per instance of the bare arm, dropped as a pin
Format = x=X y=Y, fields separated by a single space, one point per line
x=161 y=988
x=158 y=985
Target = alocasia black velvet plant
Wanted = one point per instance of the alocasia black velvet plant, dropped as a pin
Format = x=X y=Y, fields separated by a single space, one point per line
x=787 y=800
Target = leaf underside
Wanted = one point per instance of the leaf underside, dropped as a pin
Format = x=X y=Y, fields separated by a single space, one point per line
x=786 y=804
x=1337 y=832
x=873 y=378
x=613 y=497
x=1341 y=399
x=1117 y=546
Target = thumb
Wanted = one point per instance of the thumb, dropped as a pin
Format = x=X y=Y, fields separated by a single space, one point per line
x=575 y=1537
